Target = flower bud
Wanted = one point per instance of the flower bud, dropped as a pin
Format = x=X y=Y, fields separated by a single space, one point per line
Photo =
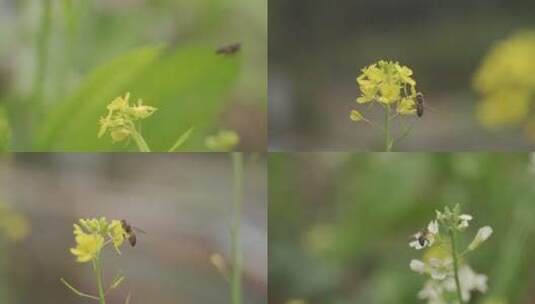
x=482 y=235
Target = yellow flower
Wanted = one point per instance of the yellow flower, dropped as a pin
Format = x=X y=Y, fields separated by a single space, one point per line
x=504 y=108
x=119 y=103
x=141 y=111
x=121 y=117
x=388 y=83
x=224 y=140
x=406 y=106
x=88 y=247
x=405 y=74
x=390 y=93
x=117 y=234
x=506 y=84
x=15 y=226
x=120 y=134
x=102 y=232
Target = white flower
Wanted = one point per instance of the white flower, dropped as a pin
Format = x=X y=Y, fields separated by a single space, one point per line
x=432 y=227
x=469 y=280
x=464 y=219
x=482 y=235
x=417 y=266
x=434 y=290
x=439 y=269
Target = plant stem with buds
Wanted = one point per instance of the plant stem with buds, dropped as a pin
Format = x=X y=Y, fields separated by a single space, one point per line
x=455 y=265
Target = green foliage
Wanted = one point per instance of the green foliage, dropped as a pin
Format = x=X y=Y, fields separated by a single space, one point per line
x=188 y=86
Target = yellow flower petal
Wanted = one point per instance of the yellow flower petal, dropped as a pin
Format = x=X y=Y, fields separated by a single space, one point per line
x=406 y=106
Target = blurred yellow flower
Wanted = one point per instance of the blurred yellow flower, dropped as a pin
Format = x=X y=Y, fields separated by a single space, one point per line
x=88 y=247
x=224 y=140
x=506 y=84
x=121 y=118
x=13 y=225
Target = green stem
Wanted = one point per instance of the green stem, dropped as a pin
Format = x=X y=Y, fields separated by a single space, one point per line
x=98 y=271
x=140 y=141
x=236 y=288
x=41 y=49
x=455 y=265
x=388 y=142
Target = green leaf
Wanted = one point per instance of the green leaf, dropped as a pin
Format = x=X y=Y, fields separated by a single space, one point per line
x=188 y=86
x=70 y=125
x=181 y=140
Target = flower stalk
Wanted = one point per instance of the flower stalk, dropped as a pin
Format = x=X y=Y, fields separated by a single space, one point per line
x=236 y=277
x=98 y=272
x=140 y=141
x=388 y=141
x=455 y=265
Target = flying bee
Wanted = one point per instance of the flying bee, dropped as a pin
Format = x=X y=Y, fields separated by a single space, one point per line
x=420 y=104
x=230 y=49
x=130 y=232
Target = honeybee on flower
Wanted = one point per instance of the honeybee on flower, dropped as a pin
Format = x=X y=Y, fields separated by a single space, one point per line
x=91 y=237
x=425 y=237
x=450 y=278
x=392 y=86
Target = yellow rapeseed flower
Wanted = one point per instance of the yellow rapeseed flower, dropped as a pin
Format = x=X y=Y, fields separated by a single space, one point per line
x=406 y=106
x=121 y=117
x=390 y=84
x=91 y=235
x=506 y=84
x=88 y=247
x=117 y=234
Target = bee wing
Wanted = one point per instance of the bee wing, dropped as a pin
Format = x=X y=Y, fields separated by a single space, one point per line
x=139 y=230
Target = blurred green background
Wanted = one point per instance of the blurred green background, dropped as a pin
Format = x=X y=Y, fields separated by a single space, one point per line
x=63 y=61
x=340 y=223
x=317 y=48
x=163 y=194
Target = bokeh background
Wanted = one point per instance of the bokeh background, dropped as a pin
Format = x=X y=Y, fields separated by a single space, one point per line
x=340 y=223
x=317 y=48
x=63 y=61
x=182 y=201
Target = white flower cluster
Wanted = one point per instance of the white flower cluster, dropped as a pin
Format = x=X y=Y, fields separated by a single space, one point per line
x=434 y=290
x=438 y=262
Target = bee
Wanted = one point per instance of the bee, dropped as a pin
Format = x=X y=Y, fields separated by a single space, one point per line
x=230 y=49
x=422 y=237
x=130 y=232
x=420 y=104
